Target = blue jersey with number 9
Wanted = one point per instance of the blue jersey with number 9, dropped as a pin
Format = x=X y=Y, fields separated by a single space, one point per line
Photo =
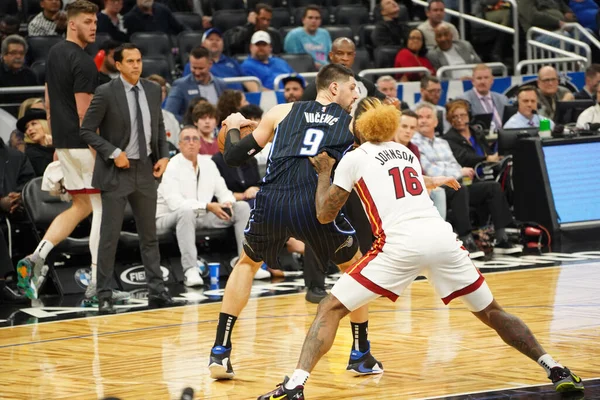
x=309 y=129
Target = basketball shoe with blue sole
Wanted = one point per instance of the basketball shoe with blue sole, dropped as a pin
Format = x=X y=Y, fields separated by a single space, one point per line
x=363 y=363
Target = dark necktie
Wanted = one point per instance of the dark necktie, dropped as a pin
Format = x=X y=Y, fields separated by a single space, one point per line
x=141 y=136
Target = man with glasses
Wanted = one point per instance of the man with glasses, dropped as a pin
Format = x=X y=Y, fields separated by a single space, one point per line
x=549 y=92
x=185 y=202
x=13 y=71
x=431 y=92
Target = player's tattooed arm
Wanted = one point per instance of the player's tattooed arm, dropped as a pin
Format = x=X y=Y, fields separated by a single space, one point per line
x=330 y=198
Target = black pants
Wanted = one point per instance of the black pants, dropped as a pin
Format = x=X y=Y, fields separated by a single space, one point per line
x=313 y=276
x=6 y=266
x=136 y=185
x=484 y=195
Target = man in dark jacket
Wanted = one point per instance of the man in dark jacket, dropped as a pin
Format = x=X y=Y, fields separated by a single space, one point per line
x=391 y=31
x=238 y=38
x=148 y=16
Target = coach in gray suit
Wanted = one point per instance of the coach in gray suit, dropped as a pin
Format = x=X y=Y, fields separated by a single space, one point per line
x=481 y=97
x=131 y=152
x=449 y=52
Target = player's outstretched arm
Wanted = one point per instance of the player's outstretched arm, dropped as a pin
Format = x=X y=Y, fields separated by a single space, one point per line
x=330 y=198
x=432 y=183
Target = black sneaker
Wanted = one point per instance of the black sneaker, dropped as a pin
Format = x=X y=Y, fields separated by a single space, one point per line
x=220 y=363
x=472 y=248
x=564 y=380
x=363 y=363
x=281 y=393
x=507 y=247
x=315 y=295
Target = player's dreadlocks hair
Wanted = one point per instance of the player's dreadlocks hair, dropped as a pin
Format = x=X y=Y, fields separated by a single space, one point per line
x=374 y=121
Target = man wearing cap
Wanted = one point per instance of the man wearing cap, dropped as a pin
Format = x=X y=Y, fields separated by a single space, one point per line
x=223 y=66
x=200 y=83
x=261 y=63
x=293 y=88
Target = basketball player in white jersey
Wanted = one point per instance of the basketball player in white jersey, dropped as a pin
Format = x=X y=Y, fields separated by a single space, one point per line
x=388 y=179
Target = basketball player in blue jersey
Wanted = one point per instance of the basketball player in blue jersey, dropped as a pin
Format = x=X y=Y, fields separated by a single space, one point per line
x=285 y=205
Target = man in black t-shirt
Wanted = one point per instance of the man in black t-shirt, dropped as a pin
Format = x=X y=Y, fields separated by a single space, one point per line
x=71 y=79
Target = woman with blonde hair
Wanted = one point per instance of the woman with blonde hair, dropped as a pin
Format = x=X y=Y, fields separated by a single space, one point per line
x=17 y=138
x=38 y=140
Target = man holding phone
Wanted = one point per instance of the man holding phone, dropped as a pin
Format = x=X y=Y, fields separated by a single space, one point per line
x=185 y=202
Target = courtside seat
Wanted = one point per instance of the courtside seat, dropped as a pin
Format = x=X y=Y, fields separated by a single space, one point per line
x=42 y=208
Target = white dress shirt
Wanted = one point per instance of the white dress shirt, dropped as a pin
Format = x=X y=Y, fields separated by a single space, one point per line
x=589 y=116
x=182 y=186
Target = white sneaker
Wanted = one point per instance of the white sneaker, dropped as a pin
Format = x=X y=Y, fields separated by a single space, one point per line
x=262 y=274
x=193 y=278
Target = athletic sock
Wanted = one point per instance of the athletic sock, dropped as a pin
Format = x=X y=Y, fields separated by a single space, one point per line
x=547 y=362
x=360 y=333
x=299 y=378
x=42 y=250
x=224 y=329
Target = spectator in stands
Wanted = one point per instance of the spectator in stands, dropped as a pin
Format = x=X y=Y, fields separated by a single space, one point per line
x=17 y=137
x=549 y=92
x=481 y=97
x=467 y=142
x=200 y=83
x=112 y=22
x=50 y=21
x=527 y=113
x=310 y=38
x=436 y=11
x=590 y=115
x=592 y=78
x=343 y=51
x=293 y=88
x=431 y=92
x=243 y=181
x=17 y=172
x=499 y=12
x=388 y=86
x=413 y=55
x=9 y=7
x=390 y=31
x=230 y=102
x=586 y=12
x=13 y=71
x=148 y=16
x=205 y=120
x=452 y=52
x=171 y=124
x=240 y=38
x=38 y=148
x=437 y=159
x=252 y=112
x=223 y=66
x=108 y=71
x=261 y=63
x=9 y=25
x=185 y=202
x=188 y=118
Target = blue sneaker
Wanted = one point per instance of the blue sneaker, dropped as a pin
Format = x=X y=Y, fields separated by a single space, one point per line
x=220 y=363
x=363 y=363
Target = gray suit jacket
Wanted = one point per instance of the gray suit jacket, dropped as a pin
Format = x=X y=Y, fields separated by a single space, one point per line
x=463 y=48
x=109 y=113
x=500 y=101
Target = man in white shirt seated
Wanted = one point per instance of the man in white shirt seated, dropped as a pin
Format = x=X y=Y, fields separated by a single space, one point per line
x=591 y=115
x=185 y=202
x=527 y=115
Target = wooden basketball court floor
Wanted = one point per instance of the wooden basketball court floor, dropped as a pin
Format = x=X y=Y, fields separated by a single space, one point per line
x=427 y=349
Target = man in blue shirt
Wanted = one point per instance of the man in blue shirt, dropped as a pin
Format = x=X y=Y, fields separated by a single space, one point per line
x=527 y=115
x=309 y=38
x=223 y=66
x=261 y=63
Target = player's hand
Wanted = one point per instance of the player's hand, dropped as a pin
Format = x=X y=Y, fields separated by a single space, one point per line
x=236 y=121
x=121 y=161
x=323 y=163
x=393 y=101
x=217 y=209
x=250 y=193
x=446 y=180
x=159 y=167
x=469 y=172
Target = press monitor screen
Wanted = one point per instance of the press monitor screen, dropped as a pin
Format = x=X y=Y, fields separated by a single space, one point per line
x=574 y=173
